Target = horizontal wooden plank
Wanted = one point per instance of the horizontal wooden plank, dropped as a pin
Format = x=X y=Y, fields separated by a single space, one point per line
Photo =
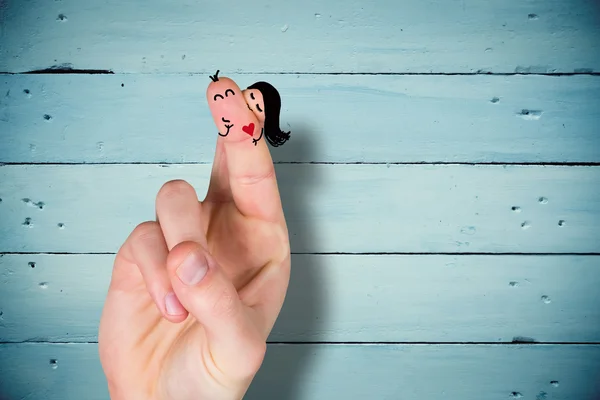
x=59 y=298
x=469 y=372
x=329 y=208
x=333 y=36
x=165 y=118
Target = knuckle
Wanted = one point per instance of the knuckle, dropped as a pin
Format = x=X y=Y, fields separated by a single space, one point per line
x=253 y=179
x=225 y=304
x=254 y=355
x=173 y=189
x=283 y=240
x=146 y=234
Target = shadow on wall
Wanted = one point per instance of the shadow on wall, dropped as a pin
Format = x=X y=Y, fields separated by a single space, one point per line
x=286 y=364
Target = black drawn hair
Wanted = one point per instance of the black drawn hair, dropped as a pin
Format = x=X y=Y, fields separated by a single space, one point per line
x=215 y=78
x=272 y=108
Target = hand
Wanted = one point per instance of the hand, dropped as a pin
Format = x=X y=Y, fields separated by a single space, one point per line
x=194 y=295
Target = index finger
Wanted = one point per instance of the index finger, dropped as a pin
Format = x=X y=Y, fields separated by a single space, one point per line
x=251 y=172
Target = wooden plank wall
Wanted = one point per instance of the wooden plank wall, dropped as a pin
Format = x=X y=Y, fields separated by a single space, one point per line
x=442 y=185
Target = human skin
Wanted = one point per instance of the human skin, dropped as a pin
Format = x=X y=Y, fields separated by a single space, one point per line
x=254 y=99
x=162 y=338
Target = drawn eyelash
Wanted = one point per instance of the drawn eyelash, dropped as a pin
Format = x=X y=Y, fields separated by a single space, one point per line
x=229 y=90
x=218 y=95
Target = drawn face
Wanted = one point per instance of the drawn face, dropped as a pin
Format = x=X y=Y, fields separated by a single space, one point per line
x=229 y=109
x=256 y=104
x=226 y=122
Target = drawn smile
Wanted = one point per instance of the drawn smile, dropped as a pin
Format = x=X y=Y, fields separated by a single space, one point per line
x=226 y=121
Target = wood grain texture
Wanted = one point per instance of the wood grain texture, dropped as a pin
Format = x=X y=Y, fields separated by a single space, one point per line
x=382 y=83
x=165 y=118
x=329 y=208
x=335 y=36
x=59 y=298
x=315 y=372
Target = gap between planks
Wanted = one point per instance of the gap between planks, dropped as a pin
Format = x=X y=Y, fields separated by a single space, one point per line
x=296 y=343
x=334 y=254
x=430 y=163
x=57 y=71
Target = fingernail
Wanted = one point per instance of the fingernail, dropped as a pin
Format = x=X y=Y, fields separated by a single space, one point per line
x=173 y=305
x=192 y=269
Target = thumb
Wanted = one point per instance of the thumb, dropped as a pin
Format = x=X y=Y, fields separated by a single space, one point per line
x=202 y=287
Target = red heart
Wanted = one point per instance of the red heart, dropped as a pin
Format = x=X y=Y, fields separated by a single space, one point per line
x=249 y=129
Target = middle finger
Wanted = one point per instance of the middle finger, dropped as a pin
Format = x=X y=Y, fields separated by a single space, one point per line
x=180 y=214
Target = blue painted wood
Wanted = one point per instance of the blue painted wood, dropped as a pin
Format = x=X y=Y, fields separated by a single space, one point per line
x=165 y=119
x=159 y=116
x=324 y=372
x=438 y=36
x=329 y=208
x=59 y=298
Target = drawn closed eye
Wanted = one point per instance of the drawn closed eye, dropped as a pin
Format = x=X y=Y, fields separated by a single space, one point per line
x=252 y=96
x=258 y=108
x=229 y=90
x=218 y=95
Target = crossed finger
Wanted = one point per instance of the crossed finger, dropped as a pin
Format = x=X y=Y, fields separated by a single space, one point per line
x=242 y=119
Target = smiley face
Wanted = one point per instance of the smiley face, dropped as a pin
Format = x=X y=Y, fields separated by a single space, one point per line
x=230 y=111
x=221 y=97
